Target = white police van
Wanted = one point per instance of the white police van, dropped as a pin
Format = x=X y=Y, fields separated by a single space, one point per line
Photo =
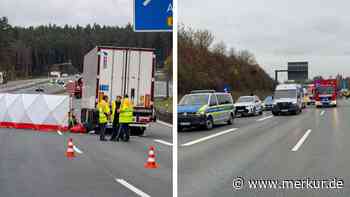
x=288 y=98
x=204 y=108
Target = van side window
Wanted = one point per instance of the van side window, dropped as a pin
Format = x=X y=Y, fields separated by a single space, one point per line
x=228 y=99
x=224 y=99
x=213 y=100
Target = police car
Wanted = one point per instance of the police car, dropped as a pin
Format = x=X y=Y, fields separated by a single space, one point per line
x=204 y=108
x=249 y=105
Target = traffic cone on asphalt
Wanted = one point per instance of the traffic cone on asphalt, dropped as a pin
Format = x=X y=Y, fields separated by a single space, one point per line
x=70 y=149
x=151 y=160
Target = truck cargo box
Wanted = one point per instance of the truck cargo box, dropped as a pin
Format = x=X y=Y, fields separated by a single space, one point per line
x=119 y=71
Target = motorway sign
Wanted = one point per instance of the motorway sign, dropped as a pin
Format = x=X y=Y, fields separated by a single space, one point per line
x=298 y=71
x=153 y=15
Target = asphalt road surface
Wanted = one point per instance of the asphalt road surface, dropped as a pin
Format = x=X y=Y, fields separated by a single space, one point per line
x=313 y=145
x=34 y=163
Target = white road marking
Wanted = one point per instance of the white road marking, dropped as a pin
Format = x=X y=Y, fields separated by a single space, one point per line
x=208 y=137
x=301 y=141
x=265 y=118
x=164 y=123
x=322 y=112
x=76 y=149
x=146 y=2
x=163 y=142
x=132 y=188
x=59 y=132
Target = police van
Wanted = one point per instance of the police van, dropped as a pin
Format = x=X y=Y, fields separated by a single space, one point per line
x=205 y=108
x=288 y=98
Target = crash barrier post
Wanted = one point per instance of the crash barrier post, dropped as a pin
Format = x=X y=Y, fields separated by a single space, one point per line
x=34 y=111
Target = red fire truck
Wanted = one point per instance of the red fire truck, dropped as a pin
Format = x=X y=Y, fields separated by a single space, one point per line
x=311 y=94
x=326 y=92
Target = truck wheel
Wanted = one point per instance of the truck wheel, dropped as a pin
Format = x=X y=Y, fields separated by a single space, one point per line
x=142 y=131
x=138 y=131
x=209 y=123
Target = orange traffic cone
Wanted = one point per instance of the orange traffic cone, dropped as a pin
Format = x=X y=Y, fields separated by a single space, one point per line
x=70 y=150
x=151 y=160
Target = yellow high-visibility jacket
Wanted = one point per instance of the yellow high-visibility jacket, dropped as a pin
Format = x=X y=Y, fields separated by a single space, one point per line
x=126 y=111
x=103 y=109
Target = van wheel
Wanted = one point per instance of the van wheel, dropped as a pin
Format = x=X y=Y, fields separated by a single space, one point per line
x=275 y=113
x=295 y=112
x=230 y=120
x=209 y=123
x=142 y=131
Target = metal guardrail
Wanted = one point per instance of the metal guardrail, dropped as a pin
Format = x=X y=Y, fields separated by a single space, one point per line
x=164 y=116
x=23 y=86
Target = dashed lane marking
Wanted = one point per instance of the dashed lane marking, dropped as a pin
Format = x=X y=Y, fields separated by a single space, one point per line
x=265 y=118
x=322 y=112
x=76 y=149
x=209 y=137
x=163 y=142
x=301 y=141
x=132 y=188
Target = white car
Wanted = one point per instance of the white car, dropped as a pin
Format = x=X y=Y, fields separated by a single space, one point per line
x=249 y=105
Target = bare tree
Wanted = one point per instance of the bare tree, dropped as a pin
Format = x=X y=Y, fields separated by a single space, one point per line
x=203 y=38
x=247 y=56
x=220 y=48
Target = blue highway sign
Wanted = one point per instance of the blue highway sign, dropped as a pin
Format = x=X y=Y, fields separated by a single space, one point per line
x=153 y=15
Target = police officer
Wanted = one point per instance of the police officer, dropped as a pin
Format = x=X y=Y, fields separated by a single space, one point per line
x=115 y=116
x=104 y=113
x=125 y=118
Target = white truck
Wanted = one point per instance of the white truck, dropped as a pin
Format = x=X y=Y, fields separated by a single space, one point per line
x=117 y=71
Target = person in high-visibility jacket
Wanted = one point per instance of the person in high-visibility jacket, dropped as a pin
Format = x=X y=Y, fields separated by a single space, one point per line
x=104 y=113
x=125 y=118
x=115 y=116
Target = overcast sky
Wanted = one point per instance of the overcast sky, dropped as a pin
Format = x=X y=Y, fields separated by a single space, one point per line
x=278 y=31
x=38 y=12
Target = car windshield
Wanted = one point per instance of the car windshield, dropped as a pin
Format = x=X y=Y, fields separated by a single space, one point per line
x=244 y=99
x=325 y=90
x=268 y=99
x=285 y=94
x=193 y=99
